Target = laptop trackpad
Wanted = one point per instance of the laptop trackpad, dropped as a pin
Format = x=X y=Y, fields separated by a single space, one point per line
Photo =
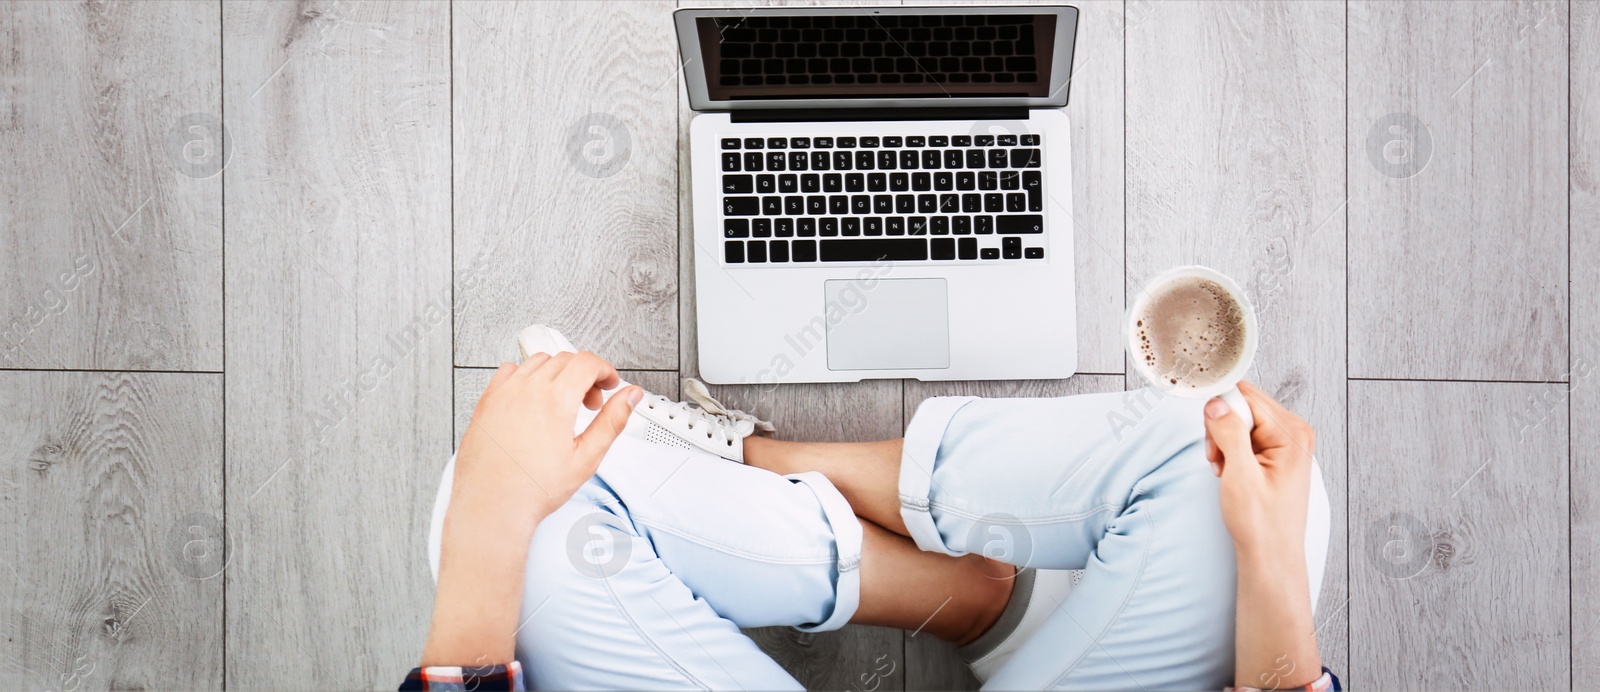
x=888 y=324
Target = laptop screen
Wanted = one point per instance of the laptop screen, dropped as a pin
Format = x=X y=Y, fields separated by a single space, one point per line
x=900 y=56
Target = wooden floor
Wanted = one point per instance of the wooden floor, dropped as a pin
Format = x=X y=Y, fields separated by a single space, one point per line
x=261 y=254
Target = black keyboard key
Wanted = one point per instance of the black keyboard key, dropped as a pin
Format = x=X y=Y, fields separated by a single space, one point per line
x=983 y=140
x=883 y=204
x=753 y=142
x=961 y=141
x=850 y=226
x=797 y=160
x=736 y=228
x=772 y=206
x=997 y=158
x=777 y=143
x=1010 y=180
x=938 y=141
x=766 y=183
x=892 y=249
x=975 y=158
x=1024 y=158
x=820 y=160
x=869 y=142
x=1006 y=140
x=778 y=251
x=810 y=182
x=788 y=183
x=905 y=204
x=783 y=228
x=737 y=185
x=1033 y=253
x=775 y=161
x=847 y=142
x=752 y=161
x=983 y=225
x=805 y=250
x=966 y=180
x=806 y=228
x=949 y=203
x=761 y=228
x=942 y=248
x=989 y=253
x=952 y=158
x=896 y=225
x=1029 y=223
x=828 y=227
x=967 y=248
x=816 y=205
x=731 y=143
x=961 y=225
x=741 y=206
x=908 y=159
x=930 y=159
x=944 y=180
x=733 y=252
x=841 y=160
x=913 y=141
x=823 y=142
x=730 y=162
x=1011 y=248
x=971 y=203
x=795 y=205
x=988 y=180
x=865 y=160
x=877 y=182
x=921 y=182
x=917 y=225
x=927 y=204
x=873 y=225
x=833 y=182
x=1030 y=140
x=886 y=160
x=855 y=182
x=993 y=202
x=800 y=142
x=1035 y=188
x=756 y=250
x=1016 y=201
x=861 y=204
x=839 y=204
x=899 y=182
x=940 y=225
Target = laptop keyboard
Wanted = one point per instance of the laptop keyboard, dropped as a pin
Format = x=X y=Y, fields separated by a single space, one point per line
x=807 y=200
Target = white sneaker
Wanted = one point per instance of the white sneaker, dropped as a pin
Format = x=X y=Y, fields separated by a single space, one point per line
x=1037 y=594
x=701 y=423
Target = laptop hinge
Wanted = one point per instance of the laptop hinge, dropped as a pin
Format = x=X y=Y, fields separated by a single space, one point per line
x=763 y=115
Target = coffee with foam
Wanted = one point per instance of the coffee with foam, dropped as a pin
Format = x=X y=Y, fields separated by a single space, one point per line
x=1190 y=332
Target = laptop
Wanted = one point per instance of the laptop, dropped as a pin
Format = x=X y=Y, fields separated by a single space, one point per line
x=881 y=192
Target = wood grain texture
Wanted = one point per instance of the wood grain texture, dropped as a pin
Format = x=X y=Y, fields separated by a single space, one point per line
x=470 y=382
x=931 y=663
x=1247 y=178
x=1584 y=373
x=854 y=657
x=566 y=177
x=1458 y=515
x=104 y=585
x=123 y=251
x=339 y=304
x=1456 y=272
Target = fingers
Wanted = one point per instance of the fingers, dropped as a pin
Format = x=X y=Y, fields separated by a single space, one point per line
x=501 y=374
x=1276 y=426
x=581 y=374
x=533 y=363
x=606 y=426
x=1230 y=435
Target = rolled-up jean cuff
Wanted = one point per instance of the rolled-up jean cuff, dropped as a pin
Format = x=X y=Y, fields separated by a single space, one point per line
x=917 y=457
x=847 y=542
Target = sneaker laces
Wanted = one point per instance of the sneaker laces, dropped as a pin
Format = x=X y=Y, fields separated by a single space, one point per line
x=702 y=407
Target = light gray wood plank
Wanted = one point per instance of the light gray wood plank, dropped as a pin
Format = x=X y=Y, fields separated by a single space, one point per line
x=119 y=238
x=105 y=585
x=1458 y=514
x=835 y=413
x=932 y=663
x=339 y=304
x=566 y=177
x=1456 y=272
x=470 y=383
x=1235 y=142
x=1584 y=227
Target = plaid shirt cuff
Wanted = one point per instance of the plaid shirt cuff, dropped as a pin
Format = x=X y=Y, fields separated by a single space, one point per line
x=507 y=678
x=1327 y=683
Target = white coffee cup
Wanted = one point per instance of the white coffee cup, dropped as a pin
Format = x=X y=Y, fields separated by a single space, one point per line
x=1227 y=386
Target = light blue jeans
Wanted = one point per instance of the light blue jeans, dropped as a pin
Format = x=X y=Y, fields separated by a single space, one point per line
x=644 y=578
